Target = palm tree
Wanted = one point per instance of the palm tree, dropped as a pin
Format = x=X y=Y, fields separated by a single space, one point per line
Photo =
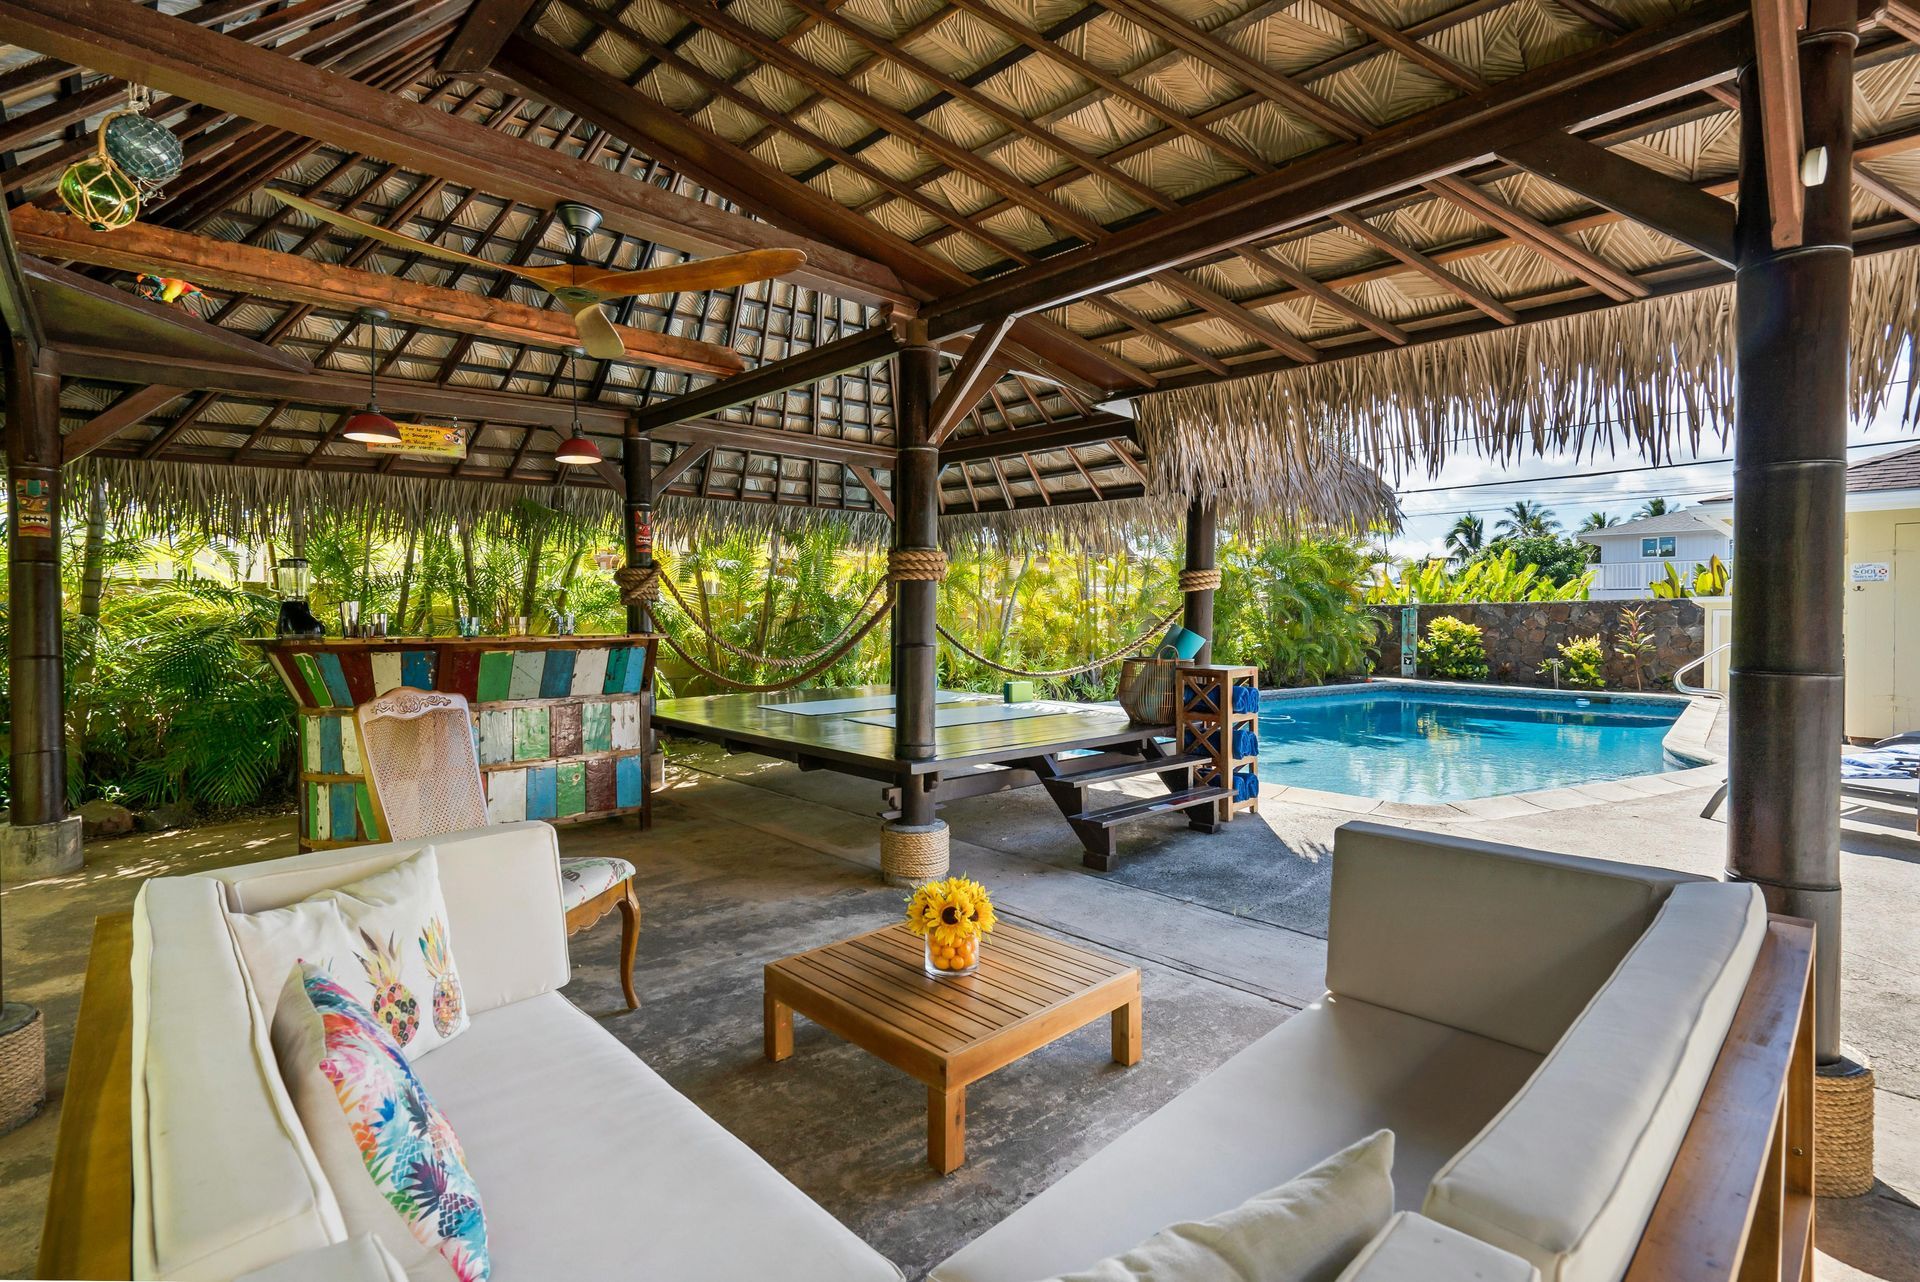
x=1468 y=535
x=1652 y=507
x=1598 y=521
x=1527 y=519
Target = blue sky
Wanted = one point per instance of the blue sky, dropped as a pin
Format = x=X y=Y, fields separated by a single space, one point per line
x=1573 y=487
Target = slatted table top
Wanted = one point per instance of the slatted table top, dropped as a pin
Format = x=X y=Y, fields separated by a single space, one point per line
x=1029 y=989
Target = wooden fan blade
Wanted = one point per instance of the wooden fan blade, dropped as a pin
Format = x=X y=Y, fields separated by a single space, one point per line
x=347 y=222
x=598 y=335
x=701 y=273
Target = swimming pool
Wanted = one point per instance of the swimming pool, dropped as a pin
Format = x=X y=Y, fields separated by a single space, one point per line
x=1430 y=743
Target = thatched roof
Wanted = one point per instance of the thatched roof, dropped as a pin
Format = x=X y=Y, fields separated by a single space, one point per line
x=927 y=150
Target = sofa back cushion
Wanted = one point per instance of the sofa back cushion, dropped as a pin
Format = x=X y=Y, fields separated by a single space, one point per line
x=501 y=885
x=1567 y=1174
x=1496 y=940
x=223 y=1178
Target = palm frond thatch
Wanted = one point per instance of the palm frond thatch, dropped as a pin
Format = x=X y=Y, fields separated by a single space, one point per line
x=1650 y=375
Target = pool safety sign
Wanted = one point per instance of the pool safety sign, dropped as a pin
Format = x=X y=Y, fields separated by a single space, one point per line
x=1871 y=571
x=1409 y=640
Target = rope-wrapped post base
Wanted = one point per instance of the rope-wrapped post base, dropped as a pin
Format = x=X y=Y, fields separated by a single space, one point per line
x=639 y=584
x=912 y=854
x=23 y=1064
x=1843 y=1127
x=1199 y=580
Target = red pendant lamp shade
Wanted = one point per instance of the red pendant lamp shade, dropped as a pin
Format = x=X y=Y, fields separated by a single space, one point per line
x=370 y=426
x=576 y=450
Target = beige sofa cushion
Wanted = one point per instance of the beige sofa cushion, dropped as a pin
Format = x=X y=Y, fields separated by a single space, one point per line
x=1568 y=1173
x=1331 y=1074
x=593 y=1167
x=501 y=885
x=360 y=1259
x=1307 y=1230
x=1496 y=940
x=223 y=1178
x=1413 y=1248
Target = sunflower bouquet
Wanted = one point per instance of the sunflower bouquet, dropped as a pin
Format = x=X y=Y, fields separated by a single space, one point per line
x=951 y=916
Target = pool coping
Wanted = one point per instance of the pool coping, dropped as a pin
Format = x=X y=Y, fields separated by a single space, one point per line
x=1687 y=741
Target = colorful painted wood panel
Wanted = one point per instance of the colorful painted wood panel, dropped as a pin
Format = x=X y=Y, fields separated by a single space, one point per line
x=560 y=729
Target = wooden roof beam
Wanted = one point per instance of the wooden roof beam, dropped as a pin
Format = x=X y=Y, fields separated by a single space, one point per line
x=1427 y=267
x=1667 y=205
x=852 y=352
x=1090 y=429
x=481 y=33
x=968 y=382
x=1529 y=231
x=179 y=58
x=1776 y=33
x=1597 y=84
x=133 y=407
x=264 y=273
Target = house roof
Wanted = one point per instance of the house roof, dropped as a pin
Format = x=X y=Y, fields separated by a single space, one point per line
x=1685 y=521
x=1899 y=470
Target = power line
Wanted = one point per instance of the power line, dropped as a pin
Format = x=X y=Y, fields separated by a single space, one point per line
x=1622 y=471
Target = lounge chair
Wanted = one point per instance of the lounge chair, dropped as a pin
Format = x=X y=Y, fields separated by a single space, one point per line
x=1887 y=774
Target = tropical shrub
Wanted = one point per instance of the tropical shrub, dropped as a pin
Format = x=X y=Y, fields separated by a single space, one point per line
x=1581 y=663
x=1292 y=609
x=1498 y=576
x=1558 y=560
x=1711 y=579
x=1634 y=641
x=1454 y=648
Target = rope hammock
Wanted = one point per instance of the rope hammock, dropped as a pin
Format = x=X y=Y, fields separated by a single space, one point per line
x=640 y=585
x=1101 y=662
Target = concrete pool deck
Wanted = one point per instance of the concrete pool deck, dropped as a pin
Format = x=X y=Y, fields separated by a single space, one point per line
x=752 y=858
x=1692 y=738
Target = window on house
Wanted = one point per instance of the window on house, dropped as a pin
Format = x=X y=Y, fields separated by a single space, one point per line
x=1661 y=546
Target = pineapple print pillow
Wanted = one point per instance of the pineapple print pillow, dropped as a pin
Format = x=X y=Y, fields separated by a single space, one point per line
x=387 y=1151
x=384 y=940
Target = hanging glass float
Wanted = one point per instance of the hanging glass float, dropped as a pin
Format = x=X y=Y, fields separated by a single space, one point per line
x=96 y=190
x=143 y=148
x=135 y=156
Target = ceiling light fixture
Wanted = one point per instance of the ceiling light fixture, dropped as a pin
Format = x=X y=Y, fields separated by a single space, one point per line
x=370 y=426
x=576 y=450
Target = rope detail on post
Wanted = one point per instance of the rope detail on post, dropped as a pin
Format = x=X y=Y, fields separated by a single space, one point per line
x=916 y=565
x=911 y=855
x=1199 y=580
x=639 y=584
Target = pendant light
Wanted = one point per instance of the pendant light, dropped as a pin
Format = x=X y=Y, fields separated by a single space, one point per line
x=370 y=426
x=576 y=450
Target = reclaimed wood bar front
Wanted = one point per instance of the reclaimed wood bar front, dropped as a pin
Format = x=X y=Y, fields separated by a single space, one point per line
x=562 y=723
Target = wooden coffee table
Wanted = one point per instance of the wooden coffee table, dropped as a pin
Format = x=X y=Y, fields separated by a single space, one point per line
x=1029 y=990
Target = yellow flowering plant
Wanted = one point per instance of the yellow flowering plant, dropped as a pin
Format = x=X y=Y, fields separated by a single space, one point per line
x=951 y=915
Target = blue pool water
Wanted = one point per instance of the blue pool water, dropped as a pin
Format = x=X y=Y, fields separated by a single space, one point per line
x=1428 y=744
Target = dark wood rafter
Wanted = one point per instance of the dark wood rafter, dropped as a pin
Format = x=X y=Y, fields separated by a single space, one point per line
x=1776 y=25
x=969 y=380
x=481 y=33
x=180 y=58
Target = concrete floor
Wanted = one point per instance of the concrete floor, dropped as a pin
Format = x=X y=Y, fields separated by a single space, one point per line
x=752 y=859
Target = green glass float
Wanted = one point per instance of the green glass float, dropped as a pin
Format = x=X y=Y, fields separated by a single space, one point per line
x=96 y=190
x=143 y=148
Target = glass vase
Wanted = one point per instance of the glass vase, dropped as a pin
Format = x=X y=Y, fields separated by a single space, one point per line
x=944 y=963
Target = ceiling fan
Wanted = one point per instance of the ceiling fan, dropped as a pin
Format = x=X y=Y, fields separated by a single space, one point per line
x=582 y=287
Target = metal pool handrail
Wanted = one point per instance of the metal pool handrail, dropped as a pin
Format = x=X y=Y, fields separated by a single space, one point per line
x=1681 y=685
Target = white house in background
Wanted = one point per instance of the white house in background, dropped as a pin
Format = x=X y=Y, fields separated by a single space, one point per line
x=1636 y=553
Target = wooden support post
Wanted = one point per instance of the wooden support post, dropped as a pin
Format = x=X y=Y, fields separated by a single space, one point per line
x=1790 y=435
x=916 y=527
x=1202 y=534
x=636 y=461
x=38 y=752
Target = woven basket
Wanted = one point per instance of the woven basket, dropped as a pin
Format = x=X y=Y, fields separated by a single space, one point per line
x=1146 y=690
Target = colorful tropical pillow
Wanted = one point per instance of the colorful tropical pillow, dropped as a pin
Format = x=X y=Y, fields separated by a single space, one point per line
x=384 y=939
x=389 y=1154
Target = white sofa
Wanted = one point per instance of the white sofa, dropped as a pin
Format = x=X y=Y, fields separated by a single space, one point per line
x=1535 y=1029
x=589 y=1165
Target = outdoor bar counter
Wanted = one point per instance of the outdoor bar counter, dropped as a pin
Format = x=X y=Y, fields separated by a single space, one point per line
x=562 y=722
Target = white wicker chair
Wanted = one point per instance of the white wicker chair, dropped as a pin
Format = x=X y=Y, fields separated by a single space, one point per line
x=423 y=772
